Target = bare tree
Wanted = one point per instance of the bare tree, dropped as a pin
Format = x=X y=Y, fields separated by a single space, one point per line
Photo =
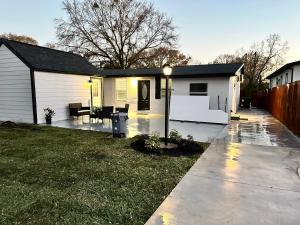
x=50 y=45
x=263 y=57
x=20 y=38
x=115 y=32
x=194 y=61
x=227 y=58
x=259 y=60
x=159 y=56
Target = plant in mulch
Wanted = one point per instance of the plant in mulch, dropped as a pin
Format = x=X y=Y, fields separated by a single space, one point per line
x=152 y=145
x=174 y=136
x=153 y=142
x=188 y=144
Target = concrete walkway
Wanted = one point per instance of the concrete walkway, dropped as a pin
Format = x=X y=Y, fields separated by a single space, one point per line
x=236 y=183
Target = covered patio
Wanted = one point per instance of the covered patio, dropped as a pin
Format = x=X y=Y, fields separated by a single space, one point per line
x=146 y=124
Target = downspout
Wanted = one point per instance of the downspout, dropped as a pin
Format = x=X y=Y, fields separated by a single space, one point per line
x=292 y=76
x=33 y=96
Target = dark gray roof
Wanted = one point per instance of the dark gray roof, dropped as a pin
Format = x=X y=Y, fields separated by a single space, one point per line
x=50 y=60
x=280 y=70
x=211 y=70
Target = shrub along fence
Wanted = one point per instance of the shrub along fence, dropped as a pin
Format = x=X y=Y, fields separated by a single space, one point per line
x=283 y=102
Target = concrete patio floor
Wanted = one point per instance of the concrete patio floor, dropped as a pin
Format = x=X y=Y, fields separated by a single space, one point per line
x=236 y=183
x=141 y=124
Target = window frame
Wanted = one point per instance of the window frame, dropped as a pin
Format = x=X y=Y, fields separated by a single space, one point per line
x=95 y=88
x=287 y=78
x=118 y=90
x=198 y=93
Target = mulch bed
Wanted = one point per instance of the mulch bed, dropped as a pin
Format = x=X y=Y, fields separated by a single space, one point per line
x=181 y=148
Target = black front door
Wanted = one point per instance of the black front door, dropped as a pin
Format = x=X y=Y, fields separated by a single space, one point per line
x=144 y=95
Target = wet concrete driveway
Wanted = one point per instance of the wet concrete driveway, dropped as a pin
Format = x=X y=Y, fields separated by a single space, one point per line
x=260 y=128
x=243 y=178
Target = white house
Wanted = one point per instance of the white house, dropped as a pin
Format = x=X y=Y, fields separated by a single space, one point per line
x=197 y=92
x=33 y=78
x=286 y=74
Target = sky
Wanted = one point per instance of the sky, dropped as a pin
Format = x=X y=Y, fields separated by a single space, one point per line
x=206 y=28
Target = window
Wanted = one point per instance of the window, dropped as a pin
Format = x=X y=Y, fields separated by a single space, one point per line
x=198 y=89
x=121 y=89
x=286 y=78
x=95 y=88
x=271 y=83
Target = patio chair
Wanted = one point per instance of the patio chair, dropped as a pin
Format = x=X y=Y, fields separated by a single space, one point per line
x=106 y=112
x=76 y=109
x=123 y=110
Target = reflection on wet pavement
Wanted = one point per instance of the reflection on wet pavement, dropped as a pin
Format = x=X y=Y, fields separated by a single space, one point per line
x=249 y=175
x=146 y=125
x=260 y=129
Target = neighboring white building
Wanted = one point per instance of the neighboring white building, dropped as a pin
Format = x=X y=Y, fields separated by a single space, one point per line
x=144 y=90
x=286 y=74
x=33 y=78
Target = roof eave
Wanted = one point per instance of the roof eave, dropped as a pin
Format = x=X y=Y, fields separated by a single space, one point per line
x=67 y=72
x=172 y=76
x=283 y=68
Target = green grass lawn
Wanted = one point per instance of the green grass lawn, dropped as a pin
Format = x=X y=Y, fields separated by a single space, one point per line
x=60 y=176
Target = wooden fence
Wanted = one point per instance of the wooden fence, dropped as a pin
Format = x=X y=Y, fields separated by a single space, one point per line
x=283 y=102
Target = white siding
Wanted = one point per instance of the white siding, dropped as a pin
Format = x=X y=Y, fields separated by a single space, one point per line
x=57 y=91
x=156 y=105
x=15 y=88
x=285 y=74
x=218 y=86
x=296 y=75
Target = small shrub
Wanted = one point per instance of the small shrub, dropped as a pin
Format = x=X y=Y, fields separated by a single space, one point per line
x=190 y=138
x=175 y=136
x=190 y=145
x=153 y=142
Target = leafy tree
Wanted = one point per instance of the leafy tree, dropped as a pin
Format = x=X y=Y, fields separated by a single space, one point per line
x=259 y=60
x=20 y=38
x=115 y=32
x=159 y=56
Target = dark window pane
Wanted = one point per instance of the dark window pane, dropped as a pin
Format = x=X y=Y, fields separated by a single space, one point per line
x=198 y=87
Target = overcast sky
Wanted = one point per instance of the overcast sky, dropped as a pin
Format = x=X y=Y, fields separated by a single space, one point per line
x=207 y=28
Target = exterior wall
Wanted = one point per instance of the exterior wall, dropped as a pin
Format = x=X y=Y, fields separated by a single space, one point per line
x=57 y=91
x=156 y=105
x=15 y=88
x=296 y=76
x=218 y=86
x=183 y=109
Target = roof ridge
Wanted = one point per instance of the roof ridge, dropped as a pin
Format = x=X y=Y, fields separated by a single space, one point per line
x=209 y=64
x=38 y=46
x=174 y=67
